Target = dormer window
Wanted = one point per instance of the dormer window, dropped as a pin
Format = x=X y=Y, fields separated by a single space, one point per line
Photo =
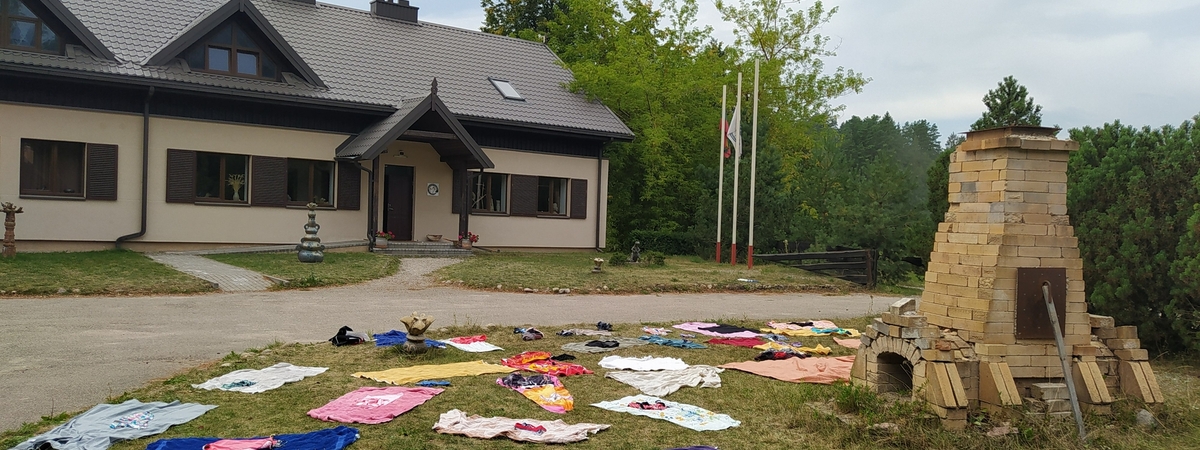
x=21 y=29
x=231 y=50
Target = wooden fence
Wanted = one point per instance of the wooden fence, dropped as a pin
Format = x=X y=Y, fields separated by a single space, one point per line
x=851 y=265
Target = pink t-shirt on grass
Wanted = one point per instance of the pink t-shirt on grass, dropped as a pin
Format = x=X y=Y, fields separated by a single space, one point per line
x=372 y=405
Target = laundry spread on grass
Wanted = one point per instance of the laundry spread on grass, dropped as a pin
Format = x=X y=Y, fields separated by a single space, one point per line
x=328 y=439
x=583 y=332
x=677 y=343
x=740 y=342
x=545 y=390
x=717 y=330
x=664 y=382
x=825 y=370
x=105 y=424
x=373 y=405
x=848 y=343
x=244 y=444
x=656 y=331
x=523 y=430
x=406 y=375
x=809 y=329
x=472 y=344
x=396 y=337
x=607 y=344
x=253 y=381
x=642 y=363
x=542 y=362
x=682 y=414
x=818 y=350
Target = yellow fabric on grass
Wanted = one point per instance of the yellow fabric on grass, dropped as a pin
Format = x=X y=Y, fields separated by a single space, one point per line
x=405 y=375
x=809 y=333
x=818 y=350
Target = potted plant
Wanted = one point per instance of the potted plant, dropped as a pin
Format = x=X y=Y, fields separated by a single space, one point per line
x=466 y=240
x=382 y=238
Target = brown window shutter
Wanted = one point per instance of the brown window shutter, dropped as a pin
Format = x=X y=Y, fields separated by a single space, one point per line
x=181 y=176
x=522 y=199
x=268 y=181
x=578 y=199
x=101 y=172
x=349 y=185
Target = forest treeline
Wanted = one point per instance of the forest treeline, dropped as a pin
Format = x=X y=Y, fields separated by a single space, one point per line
x=865 y=182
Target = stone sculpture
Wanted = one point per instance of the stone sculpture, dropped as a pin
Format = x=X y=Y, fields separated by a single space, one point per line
x=415 y=325
x=311 y=250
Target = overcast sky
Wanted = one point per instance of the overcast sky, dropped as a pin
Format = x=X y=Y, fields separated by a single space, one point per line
x=1086 y=62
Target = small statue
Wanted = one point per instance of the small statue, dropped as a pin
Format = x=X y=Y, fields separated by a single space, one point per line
x=311 y=250
x=10 y=222
x=416 y=325
x=596 y=263
x=635 y=253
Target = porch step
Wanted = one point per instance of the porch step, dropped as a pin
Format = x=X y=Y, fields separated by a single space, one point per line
x=423 y=248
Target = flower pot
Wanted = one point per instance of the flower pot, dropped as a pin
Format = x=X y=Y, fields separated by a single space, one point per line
x=465 y=244
x=381 y=242
x=433 y=237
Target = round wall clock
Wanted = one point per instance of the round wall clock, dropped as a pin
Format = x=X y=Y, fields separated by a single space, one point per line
x=432 y=189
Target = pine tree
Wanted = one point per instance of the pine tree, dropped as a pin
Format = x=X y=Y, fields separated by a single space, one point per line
x=1007 y=105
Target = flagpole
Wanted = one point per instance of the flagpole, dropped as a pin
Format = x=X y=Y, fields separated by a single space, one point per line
x=737 y=159
x=753 y=169
x=721 y=178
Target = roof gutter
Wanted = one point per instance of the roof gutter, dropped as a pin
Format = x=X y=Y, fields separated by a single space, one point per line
x=145 y=168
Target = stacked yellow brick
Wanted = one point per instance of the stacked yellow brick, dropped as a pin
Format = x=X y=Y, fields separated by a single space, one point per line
x=1008 y=209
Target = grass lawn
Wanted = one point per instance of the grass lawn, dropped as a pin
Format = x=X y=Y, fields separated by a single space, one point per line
x=774 y=414
x=110 y=272
x=337 y=269
x=546 y=271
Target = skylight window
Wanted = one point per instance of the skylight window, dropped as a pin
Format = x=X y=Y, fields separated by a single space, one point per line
x=506 y=89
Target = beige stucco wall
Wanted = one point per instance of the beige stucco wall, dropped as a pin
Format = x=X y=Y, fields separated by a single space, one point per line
x=104 y=221
x=432 y=215
x=52 y=224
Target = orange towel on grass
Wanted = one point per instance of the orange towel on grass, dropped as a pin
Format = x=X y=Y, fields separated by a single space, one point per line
x=799 y=370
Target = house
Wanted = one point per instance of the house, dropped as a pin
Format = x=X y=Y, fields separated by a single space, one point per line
x=177 y=124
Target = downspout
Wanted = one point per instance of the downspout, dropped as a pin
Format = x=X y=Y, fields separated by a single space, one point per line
x=599 y=192
x=371 y=209
x=145 y=167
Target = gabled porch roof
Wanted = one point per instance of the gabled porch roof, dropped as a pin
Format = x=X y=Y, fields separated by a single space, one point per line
x=426 y=120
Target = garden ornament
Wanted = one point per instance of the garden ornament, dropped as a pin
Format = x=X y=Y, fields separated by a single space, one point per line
x=635 y=253
x=416 y=324
x=10 y=222
x=311 y=250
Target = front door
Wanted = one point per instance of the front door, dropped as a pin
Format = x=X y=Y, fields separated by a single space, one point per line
x=398 y=201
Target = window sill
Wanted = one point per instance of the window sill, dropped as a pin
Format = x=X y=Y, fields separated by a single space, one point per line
x=319 y=207
x=51 y=197
x=489 y=213
x=220 y=203
x=552 y=216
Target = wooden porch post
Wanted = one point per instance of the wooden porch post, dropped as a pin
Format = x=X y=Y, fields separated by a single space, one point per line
x=464 y=188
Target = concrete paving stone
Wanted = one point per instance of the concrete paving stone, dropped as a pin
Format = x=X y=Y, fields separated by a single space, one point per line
x=226 y=277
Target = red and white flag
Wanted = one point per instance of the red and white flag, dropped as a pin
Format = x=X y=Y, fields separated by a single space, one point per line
x=733 y=133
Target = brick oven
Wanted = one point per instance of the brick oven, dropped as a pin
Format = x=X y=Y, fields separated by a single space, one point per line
x=980 y=336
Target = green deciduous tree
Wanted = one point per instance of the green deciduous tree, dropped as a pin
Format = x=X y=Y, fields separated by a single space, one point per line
x=1007 y=105
x=519 y=18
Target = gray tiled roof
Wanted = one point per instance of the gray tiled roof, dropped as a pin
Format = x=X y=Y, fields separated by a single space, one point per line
x=360 y=57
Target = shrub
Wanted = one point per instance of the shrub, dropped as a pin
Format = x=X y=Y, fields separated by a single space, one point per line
x=656 y=258
x=618 y=259
x=668 y=242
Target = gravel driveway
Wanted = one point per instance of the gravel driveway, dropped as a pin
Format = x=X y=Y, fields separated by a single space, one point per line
x=67 y=354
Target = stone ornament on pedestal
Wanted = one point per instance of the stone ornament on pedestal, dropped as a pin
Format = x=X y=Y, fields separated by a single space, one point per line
x=311 y=250
x=415 y=326
x=980 y=335
x=10 y=224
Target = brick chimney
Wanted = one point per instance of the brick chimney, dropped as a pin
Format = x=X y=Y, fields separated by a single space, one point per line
x=981 y=335
x=394 y=9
